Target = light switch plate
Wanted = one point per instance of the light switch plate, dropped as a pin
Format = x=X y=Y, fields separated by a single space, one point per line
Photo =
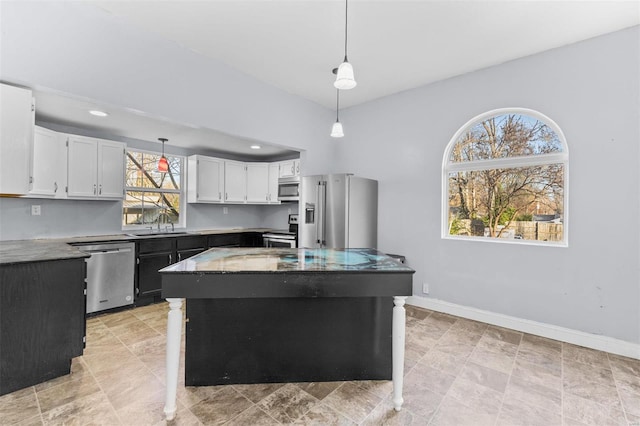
x=35 y=210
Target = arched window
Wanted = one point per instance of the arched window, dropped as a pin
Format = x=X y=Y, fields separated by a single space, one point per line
x=505 y=179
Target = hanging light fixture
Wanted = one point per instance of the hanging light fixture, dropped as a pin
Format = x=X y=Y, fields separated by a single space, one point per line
x=336 y=130
x=163 y=164
x=344 y=77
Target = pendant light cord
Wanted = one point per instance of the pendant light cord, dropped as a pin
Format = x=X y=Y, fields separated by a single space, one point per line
x=337 y=105
x=346 y=23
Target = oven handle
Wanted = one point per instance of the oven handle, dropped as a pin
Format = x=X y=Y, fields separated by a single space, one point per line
x=279 y=240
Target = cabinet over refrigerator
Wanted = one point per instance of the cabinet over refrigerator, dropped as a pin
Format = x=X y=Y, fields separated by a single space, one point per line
x=338 y=211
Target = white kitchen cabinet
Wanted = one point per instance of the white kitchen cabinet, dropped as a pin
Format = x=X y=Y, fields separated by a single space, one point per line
x=289 y=168
x=49 y=164
x=274 y=173
x=205 y=179
x=235 y=182
x=17 y=119
x=95 y=168
x=257 y=182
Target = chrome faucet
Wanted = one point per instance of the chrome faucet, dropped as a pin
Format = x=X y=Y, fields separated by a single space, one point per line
x=167 y=219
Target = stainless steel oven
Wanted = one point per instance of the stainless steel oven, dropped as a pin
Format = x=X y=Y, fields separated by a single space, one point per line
x=284 y=238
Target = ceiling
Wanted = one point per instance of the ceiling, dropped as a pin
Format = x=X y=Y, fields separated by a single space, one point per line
x=393 y=45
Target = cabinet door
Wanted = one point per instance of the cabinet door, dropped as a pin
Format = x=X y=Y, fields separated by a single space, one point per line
x=274 y=173
x=210 y=178
x=17 y=115
x=82 y=167
x=235 y=182
x=49 y=164
x=296 y=166
x=110 y=169
x=287 y=169
x=257 y=182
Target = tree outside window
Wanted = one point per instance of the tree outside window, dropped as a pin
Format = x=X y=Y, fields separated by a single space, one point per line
x=505 y=178
x=152 y=197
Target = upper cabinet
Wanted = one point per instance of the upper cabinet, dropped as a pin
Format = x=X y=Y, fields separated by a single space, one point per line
x=205 y=179
x=95 y=168
x=235 y=182
x=17 y=119
x=49 y=164
x=257 y=182
x=274 y=174
x=289 y=168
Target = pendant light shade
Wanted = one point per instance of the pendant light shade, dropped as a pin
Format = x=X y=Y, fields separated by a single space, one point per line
x=344 y=78
x=336 y=130
x=163 y=164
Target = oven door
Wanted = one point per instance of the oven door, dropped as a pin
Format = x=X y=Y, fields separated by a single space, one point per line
x=274 y=241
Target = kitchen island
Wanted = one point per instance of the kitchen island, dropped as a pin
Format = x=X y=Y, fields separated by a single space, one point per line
x=260 y=315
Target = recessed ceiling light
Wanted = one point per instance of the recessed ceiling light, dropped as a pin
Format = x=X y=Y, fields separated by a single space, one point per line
x=255 y=147
x=98 y=113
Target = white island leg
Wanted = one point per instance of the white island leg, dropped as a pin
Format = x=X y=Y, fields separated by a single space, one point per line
x=397 y=343
x=174 y=330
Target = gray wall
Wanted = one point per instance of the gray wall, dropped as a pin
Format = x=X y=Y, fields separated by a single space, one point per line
x=591 y=90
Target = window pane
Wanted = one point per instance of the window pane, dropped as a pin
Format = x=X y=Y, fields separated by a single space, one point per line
x=147 y=208
x=519 y=203
x=503 y=136
x=142 y=171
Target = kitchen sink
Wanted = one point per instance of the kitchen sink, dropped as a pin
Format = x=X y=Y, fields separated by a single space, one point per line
x=150 y=234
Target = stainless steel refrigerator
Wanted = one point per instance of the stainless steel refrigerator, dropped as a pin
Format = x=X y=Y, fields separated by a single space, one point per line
x=338 y=211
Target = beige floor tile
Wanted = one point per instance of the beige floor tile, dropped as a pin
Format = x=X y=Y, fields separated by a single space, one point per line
x=519 y=413
x=221 y=407
x=485 y=376
x=454 y=413
x=630 y=401
x=385 y=414
x=352 y=401
x=319 y=390
x=583 y=355
x=191 y=395
x=323 y=415
x=146 y=409
x=33 y=421
x=437 y=381
x=590 y=412
x=418 y=313
x=124 y=388
x=447 y=361
x=537 y=374
x=257 y=392
x=520 y=389
x=67 y=392
x=592 y=383
x=18 y=406
x=381 y=388
x=503 y=334
x=94 y=409
x=183 y=417
x=550 y=360
x=418 y=396
x=476 y=396
x=497 y=359
x=288 y=403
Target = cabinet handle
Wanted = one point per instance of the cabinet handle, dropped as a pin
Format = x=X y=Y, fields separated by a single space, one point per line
x=94 y=189
x=100 y=190
x=169 y=257
x=219 y=195
x=226 y=196
x=266 y=197
x=179 y=256
x=55 y=186
x=293 y=169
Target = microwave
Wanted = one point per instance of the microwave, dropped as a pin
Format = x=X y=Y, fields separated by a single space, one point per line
x=289 y=189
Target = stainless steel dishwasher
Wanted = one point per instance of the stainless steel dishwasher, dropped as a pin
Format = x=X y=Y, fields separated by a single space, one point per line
x=110 y=275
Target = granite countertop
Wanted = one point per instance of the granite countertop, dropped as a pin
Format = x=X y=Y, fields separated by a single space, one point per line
x=36 y=250
x=226 y=260
x=22 y=251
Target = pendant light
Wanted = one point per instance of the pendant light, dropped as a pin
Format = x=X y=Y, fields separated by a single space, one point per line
x=163 y=164
x=344 y=77
x=336 y=130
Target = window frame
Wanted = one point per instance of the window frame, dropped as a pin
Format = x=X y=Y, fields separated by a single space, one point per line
x=508 y=162
x=182 y=221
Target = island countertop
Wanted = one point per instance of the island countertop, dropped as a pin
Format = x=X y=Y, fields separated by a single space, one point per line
x=286 y=272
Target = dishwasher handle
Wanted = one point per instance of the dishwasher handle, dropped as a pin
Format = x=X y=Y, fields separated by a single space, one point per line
x=108 y=251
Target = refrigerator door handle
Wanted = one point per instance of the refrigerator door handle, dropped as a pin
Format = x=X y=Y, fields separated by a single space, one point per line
x=320 y=228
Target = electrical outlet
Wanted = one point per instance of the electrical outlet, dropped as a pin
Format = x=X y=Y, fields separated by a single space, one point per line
x=35 y=210
x=425 y=288
x=289 y=210
x=225 y=210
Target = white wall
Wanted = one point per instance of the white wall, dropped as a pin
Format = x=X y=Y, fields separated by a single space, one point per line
x=591 y=90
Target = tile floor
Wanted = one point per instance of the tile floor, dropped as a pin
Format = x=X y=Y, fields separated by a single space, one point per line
x=457 y=372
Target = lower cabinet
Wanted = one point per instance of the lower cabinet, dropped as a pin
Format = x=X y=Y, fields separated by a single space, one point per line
x=42 y=320
x=151 y=256
x=154 y=254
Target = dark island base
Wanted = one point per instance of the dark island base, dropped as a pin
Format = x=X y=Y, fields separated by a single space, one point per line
x=243 y=341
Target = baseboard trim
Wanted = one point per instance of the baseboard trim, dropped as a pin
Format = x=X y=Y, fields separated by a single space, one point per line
x=593 y=341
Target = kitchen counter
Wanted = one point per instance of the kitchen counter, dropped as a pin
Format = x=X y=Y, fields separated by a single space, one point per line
x=21 y=251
